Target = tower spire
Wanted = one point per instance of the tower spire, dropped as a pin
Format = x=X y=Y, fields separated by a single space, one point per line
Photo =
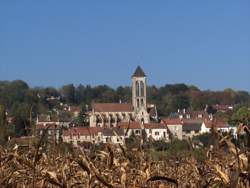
x=139 y=72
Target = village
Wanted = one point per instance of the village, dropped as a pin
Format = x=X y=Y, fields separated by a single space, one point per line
x=124 y=94
x=115 y=122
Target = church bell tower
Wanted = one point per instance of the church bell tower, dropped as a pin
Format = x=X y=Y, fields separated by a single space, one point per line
x=139 y=94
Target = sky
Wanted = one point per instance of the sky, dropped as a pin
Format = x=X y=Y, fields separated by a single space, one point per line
x=53 y=43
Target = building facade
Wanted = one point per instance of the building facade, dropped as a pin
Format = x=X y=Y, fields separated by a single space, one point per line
x=111 y=114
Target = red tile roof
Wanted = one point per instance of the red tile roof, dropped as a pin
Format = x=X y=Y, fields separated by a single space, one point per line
x=154 y=126
x=112 y=107
x=174 y=121
x=83 y=131
x=216 y=124
x=131 y=125
x=23 y=138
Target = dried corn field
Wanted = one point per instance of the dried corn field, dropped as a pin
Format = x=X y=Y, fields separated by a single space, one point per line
x=225 y=165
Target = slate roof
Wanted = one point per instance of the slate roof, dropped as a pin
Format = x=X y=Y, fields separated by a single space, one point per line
x=110 y=132
x=191 y=125
x=139 y=72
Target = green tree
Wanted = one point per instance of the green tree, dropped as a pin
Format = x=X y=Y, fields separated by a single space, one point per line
x=82 y=118
x=3 y=127
x=68 y=92
x=242 y=115
x=21 y=114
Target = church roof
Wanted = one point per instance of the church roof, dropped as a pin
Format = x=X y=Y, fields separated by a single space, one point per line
x=139 y=72
x=112 y=107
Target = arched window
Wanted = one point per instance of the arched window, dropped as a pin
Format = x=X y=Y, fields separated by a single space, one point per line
x=137 y=88
x=142 y=88
x=142 y=102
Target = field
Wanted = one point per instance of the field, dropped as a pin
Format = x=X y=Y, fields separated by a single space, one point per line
x=225 y=164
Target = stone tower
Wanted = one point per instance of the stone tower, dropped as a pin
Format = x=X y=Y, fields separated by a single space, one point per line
x=139 y=95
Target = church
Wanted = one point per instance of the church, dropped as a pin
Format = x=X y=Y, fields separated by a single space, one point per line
x=112 y=114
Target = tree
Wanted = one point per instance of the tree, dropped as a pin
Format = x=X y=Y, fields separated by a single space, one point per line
x=211 y=110
x=242 y=115
x=3 y=131
x=21 y=113
x=68 y=92
x=82 y=118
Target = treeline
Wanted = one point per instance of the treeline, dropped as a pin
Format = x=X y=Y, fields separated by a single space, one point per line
x=24 y=102
x=168 y=98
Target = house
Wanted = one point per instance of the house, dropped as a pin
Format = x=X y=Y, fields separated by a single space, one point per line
x=131 y=128
x=61 y=118
x=191 y=128
x=190 y=114
x=174 y=126
x=94 y=135
x=195 y=127
x=114 y=135
x=74 y=110
x=223 y=108
x=156 y=131
x=219 y=125
x=77 y=135
x=52 y=132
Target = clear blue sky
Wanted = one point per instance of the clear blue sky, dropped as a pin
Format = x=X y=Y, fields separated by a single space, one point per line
x=51 y=43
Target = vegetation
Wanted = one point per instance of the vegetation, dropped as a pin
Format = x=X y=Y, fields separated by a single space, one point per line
x=120 y=166
x=24 y=103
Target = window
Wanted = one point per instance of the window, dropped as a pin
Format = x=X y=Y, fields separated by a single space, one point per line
x=142 y=88
x=138 y=103
x=142 y=120
x=137 y=88
x=157 y=133
x=137 y=132
x=142 y=102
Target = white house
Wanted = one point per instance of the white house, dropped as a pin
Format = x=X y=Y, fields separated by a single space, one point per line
x=174 y=126
x=219 y=125
x=114 y=135
x=156 y=131
x=77 y=135
x=131 y=128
